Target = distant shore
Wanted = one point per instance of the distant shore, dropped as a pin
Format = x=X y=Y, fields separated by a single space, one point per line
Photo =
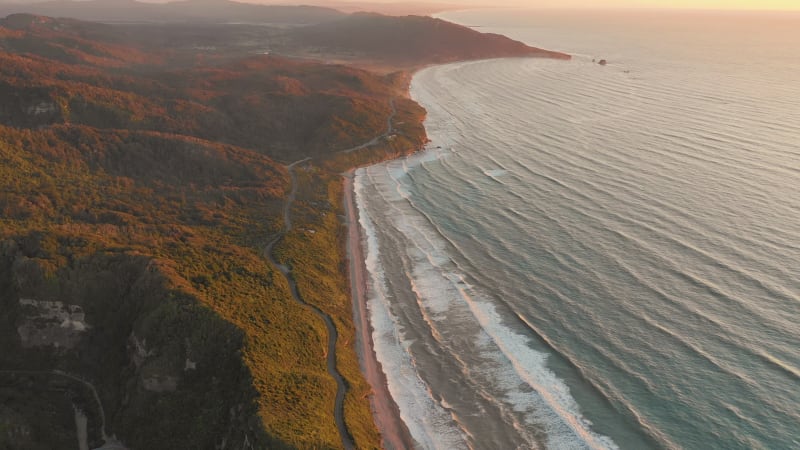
x=394 y=433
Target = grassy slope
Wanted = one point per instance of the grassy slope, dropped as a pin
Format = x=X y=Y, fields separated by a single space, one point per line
x=117 y=164
x=157 y=184
x=141 y=256
x=316 y=252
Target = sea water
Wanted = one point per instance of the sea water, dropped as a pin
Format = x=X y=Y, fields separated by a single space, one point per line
x=594 y=256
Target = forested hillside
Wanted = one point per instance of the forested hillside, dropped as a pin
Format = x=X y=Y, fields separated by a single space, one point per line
x=140 y=183
x=137 y=198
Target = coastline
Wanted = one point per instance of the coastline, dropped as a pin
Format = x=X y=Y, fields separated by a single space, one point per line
x=394 y=432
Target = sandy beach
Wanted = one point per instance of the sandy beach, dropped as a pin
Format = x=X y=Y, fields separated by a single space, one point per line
x=394 y=433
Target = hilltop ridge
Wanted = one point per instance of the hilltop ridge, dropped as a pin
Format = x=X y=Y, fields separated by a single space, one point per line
x=410 y=40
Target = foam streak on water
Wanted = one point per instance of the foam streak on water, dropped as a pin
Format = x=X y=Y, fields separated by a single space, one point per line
x=596 y=257
x=510 y=378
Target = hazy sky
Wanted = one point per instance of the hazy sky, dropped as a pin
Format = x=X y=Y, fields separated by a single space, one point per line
x=694 y=4
x=583 y=4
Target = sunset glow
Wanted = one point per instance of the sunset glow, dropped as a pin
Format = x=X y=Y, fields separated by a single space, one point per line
x=676 y=4
x=775 y=5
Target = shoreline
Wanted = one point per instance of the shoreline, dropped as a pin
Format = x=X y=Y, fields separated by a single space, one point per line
x=394 y=432
x=386 y=413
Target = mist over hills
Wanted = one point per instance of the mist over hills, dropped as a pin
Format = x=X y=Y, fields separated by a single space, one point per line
x=206 y=27
x=202 y=11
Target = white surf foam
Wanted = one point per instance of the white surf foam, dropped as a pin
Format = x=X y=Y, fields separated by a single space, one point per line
x=514 y=370
x=429 y=424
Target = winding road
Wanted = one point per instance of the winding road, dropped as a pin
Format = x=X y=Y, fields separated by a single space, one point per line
x=333 y=335
x=376 y=139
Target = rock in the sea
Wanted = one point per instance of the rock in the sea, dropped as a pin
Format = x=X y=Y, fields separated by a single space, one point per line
x=603 y=62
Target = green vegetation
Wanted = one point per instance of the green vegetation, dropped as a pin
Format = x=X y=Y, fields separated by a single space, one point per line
x=147 y=255
x=374 y=37
x=139 y=186
x=145 y=195
x=315 y=250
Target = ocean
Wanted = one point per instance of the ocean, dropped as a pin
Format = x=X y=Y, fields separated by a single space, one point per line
x=594 y=256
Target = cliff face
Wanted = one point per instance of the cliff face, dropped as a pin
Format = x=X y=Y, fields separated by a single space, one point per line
x=110 y=266
x=29 y=107
x=154 y=356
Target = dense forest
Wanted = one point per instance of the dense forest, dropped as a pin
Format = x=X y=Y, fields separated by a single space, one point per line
x=139 y=186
